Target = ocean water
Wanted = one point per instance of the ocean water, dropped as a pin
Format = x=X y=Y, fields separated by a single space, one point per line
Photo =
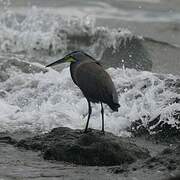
x=35 y=33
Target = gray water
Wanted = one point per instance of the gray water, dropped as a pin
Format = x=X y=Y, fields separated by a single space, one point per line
x=158 y=20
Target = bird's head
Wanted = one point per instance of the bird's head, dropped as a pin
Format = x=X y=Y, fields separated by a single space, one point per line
x=73 y=57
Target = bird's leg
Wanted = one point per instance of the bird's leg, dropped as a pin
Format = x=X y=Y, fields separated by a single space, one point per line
x=102 y=112
x=89 y=114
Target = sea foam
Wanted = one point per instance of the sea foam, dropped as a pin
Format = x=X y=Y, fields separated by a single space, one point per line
x=36 y=99
x=44 y=100
x=41 y=30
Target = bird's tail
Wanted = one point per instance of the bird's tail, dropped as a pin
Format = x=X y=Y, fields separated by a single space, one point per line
x=114 y=106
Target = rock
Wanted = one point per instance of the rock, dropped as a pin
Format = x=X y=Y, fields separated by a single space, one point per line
x=174 y=178
x=119 y=170
x=165 y=131
x=92 y=148
x=168 y=159
x=7 y=139
x=163 y=124
x=137 y=128
x=158 y=128
x=130 y=54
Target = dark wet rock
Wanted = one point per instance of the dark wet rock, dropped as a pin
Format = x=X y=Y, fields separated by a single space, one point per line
x=167 y=151
x=174 y=178
x=138 y=129
x=173 y=84
x=130 y=54
x=168 y=159
x=4 y=138
x=162 y=130
x=158 y=129
x=165 y=125
x=93 y=148
x=119 y=169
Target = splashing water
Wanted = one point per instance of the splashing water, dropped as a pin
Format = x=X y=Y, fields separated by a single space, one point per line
x=34 y=99
x=39 y=29
x=44 y=100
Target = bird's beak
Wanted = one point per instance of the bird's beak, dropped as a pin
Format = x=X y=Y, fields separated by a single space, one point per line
x=63 y=60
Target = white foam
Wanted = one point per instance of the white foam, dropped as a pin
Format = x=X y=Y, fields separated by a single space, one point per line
x=40 y=102
x=41 y=30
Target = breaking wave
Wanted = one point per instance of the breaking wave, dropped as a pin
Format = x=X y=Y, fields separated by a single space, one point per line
x=40 y=29
x=36 y=99
x=39 y=33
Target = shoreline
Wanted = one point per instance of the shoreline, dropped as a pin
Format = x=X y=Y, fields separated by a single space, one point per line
x=26 y=164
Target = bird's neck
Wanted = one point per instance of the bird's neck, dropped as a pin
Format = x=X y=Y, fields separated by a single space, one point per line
x=74 y=68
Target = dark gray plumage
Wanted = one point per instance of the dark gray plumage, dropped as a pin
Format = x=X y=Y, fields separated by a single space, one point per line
x=94 y=82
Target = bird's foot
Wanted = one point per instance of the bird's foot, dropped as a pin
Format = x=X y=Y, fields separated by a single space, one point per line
x=103 y=132
x=87 y=130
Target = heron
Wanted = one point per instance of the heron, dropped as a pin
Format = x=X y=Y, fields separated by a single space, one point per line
x=94 y=82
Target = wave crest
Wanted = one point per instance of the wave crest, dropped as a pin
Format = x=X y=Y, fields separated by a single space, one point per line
x=40 y=29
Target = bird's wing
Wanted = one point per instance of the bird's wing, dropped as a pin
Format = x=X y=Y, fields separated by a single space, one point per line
x=95 y=83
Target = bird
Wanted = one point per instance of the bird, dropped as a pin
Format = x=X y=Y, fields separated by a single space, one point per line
x=94 y=82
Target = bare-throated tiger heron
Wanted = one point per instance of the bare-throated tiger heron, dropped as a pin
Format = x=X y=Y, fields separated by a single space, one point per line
x=94 y=82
